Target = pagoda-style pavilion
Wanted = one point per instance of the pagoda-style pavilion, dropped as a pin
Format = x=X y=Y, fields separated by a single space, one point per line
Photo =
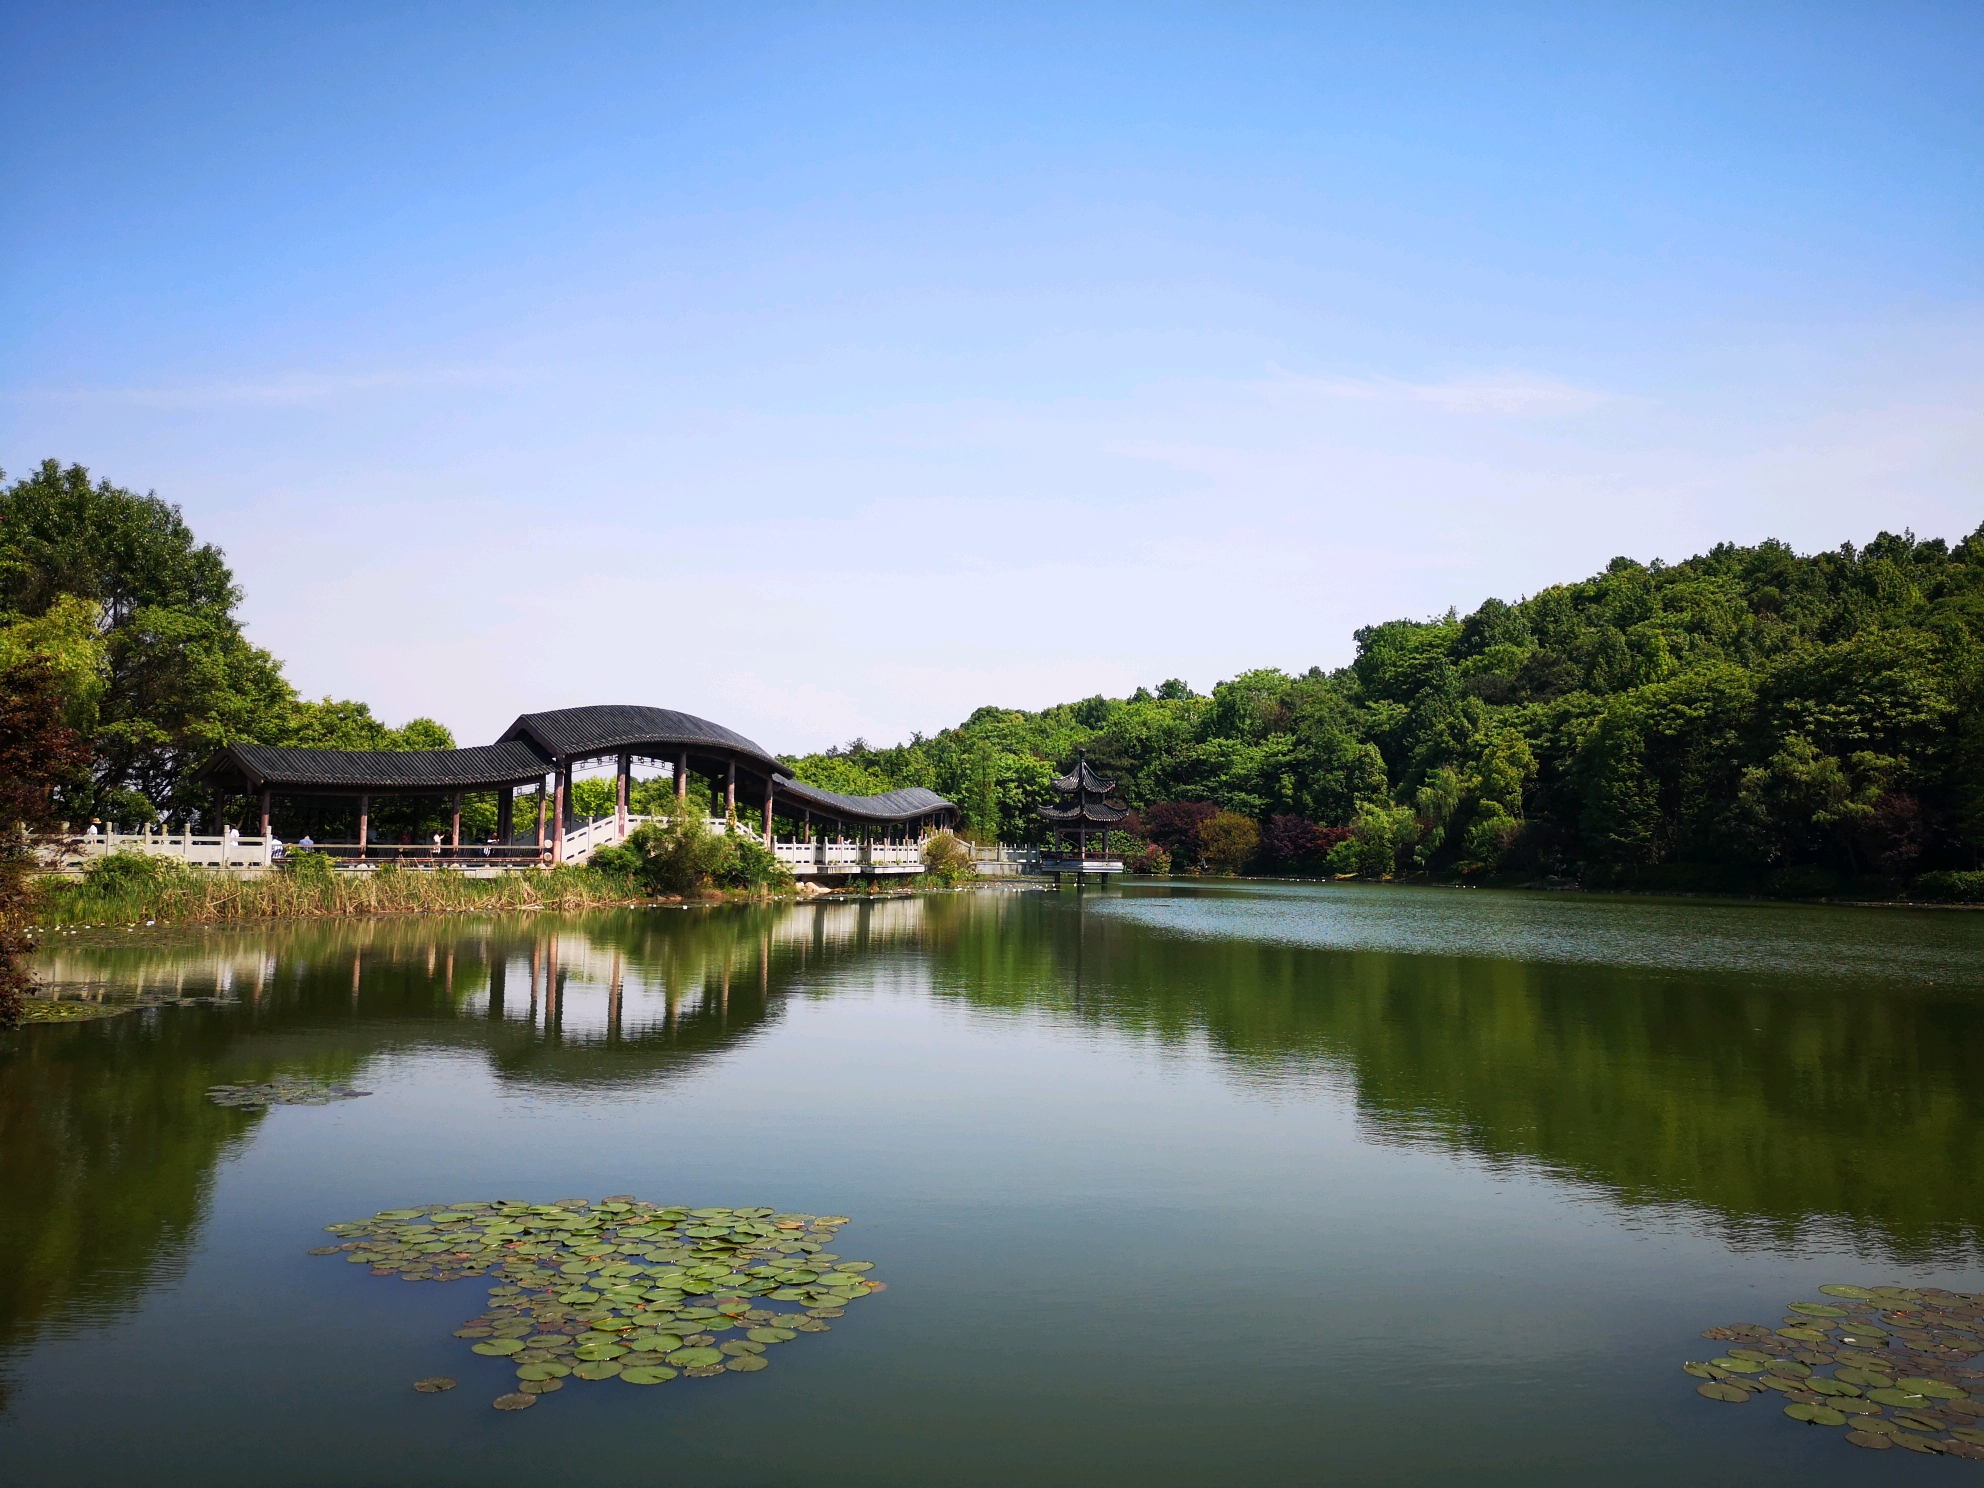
x=1083 y=806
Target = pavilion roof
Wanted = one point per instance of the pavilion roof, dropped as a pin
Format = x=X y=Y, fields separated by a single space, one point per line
x=1082 y=778
x=1098 y=813
x=891 y=806
x=384 y=771
x=608 y=728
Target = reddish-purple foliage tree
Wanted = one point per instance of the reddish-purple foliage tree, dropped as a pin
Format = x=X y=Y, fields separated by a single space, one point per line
x=1897 y=833
x=37 y=752
x=1294 y=844
x=1174 y=826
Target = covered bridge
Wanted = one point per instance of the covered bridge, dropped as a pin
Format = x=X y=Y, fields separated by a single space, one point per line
x=543 y=749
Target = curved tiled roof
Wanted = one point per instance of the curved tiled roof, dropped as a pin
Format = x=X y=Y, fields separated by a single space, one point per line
x=608 y=728
x=265 y=766
x=531 y=748
x=897 y=805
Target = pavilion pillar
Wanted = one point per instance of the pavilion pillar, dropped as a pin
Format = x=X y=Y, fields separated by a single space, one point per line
x=364 y=822
x=564 y=797
x=506 y=813
x=543 y=799
x=265 y=817
x=730 y=794
x=769 y=788
x=682 y=777
x=455 y=839
x=620 y=793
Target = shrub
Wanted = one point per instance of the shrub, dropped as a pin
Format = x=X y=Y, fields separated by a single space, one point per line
x=131 y=873
x=679 y=856
x=622 y=860
x=1951 y=887
x=312 y=869
x=1490 y=836
x=748 y=864
x=948 y=859
x=1228 y=840
x=1146 y=857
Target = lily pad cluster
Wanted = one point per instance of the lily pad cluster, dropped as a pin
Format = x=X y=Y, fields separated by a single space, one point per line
x=1892 y=1366
x=285 y=1092
x=619 y=1290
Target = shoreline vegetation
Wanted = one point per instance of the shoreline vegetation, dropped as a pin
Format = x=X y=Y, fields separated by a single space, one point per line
x=677 y=863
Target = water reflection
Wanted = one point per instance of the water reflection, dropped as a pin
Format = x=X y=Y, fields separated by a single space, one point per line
x=1771 y=1095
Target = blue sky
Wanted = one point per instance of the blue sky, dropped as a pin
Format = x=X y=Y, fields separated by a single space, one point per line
x=836 y=370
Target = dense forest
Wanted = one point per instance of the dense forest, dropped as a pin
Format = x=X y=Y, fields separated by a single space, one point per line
x=1748 y=718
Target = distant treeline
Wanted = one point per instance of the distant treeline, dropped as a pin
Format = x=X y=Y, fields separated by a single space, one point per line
x=1748 y=718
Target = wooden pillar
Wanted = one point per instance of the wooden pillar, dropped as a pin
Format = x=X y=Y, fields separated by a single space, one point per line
x=506 y=811
x=730 y=794
x=770 y=786
x=620 y=793
x=682 y=776
x=806 y=825
x=543 y=798
x=457 y=837
x=265 y=818
x=364 y=822
x=558 y=810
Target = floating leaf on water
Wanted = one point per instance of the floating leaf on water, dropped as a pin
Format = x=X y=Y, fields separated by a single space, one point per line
x=1738 y=1366
x=1869 y=1439
x=434 y=1384
x=514 y=1402
x=541 y=1387
x=1718 y=1390
x=826 y=1312
x=599 y=1351
x=738 y=1347
x=1897 y=1397
x=542 y=1371
x=499 y=1347
x=771 y=1335
x=1914 y=1443
x=1818 y=1309
x=1831 y=1386
x=596 y=1369
x=692 y=1358
x=1803 y=1335
x=1931 y=1387
x=652 y=1374
x=1815 y=1415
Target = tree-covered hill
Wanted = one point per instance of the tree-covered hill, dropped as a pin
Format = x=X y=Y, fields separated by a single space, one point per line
x=1747 y=713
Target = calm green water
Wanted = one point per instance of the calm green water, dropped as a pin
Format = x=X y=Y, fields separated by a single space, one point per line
x=1172 y=1185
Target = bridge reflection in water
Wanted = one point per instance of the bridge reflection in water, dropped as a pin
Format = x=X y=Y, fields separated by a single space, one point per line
x=1823 y=1089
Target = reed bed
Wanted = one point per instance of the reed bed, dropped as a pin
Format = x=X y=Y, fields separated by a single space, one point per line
x=184 y=896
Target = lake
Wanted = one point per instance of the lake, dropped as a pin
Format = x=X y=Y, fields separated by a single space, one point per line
x=1178 y=1183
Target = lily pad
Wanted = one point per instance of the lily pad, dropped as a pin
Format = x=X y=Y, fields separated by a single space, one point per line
x=596 y=1369
x=1930 y=1387
x=1903 y=1398
x=746 y=1363
x=542 y=1371
x=1840 y=1289
x=694 y=1358
x=515 y=1402
x=1818 y=1309
x=1717 y=1390
x=1815 y=1415
x=1738 y=1366
x=771 y=1335
x=652 y=1374
x=498 y=1347
x=434 y=1384
x=1870 y=1440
